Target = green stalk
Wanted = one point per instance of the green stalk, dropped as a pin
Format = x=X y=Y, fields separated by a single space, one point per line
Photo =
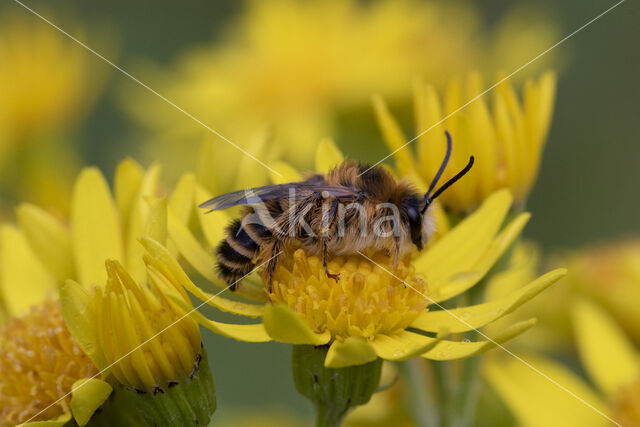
x=420 y=401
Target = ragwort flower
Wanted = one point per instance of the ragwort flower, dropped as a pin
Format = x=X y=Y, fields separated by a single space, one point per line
x=610 y=360
x=507 y=140
x=371 y=312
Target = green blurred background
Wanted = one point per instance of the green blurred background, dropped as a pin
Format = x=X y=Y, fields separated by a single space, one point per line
x=586 y=191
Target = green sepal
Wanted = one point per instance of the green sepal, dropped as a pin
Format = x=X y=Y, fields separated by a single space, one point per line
x=189 y=400
x=333 y=391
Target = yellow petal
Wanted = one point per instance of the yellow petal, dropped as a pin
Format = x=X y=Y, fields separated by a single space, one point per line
x=459 y=249
x=96 y=233
x=87 y=396
x=49 y=240
x=328 y=155
x=450 y=350
x=353 y=351
x=393 y=136
x=80 y=319
x=477 y=316
x=181 y=200
x=248 y=333
x=284 y=325
x=156 y=227
x=203 y=260
x=23 y=279
x=460 y=282
x=213 y=223
x=287 y=173
x=136 y=222
x=536 y=400
x=404 y=345
x=605 y=351
x=165 y=259
x=126 y=185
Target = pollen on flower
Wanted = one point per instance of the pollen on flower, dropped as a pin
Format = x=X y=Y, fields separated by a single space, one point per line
x=364 y=302
x=39 y=362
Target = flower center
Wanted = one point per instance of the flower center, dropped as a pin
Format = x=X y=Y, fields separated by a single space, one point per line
x=366 y=300
x=39 y=362
x=627 y=408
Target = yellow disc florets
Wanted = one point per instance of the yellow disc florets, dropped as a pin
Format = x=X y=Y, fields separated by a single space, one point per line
x=366 y=300
x=39 y=362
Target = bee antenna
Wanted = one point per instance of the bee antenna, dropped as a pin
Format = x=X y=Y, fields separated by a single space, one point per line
x=443 y=165
x=430 y=198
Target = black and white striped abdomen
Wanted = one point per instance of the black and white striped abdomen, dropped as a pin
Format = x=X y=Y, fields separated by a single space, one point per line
x=240 y=249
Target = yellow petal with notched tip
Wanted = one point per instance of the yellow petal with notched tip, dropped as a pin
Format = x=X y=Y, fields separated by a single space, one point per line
x=248 y=333
x=328 y=156
x=165 y=259
x=537 y=396
x=464 y=280
x=350 y=352
x=80 y=318
x=49 y=239
x=96 y=233
x=23 y=279
x=449 y=350
x=287 y=173
x=87 y=396
x=477 y=316
x=465 y=244
x=404 y=345
x=284 y=325
x=605 y=351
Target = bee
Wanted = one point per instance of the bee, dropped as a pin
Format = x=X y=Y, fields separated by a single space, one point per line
x=352 y=208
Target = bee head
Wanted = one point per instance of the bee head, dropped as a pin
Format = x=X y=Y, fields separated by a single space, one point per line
x=415 y=217
x=431 y=195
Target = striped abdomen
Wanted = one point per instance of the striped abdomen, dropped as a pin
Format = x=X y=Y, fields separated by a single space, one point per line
x=238 y=252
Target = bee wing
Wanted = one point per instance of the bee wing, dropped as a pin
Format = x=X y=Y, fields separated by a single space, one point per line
x=301 y=190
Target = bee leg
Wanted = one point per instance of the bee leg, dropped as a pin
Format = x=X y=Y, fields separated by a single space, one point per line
x=271 y=268
x=396 y=254
x=335 y=277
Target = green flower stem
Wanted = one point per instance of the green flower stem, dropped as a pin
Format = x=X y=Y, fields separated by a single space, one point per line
x=189 y=401
x=420 y=401
x=332 y=391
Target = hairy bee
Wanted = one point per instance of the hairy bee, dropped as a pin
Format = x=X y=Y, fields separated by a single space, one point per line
x=352 y=208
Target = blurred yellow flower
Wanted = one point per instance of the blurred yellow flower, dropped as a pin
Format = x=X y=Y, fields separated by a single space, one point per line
x=610 y=274
x=610 y=360
x=42 y=367
x=47 y=81
x=293 y=66
x=366 y=315
x=507 y=140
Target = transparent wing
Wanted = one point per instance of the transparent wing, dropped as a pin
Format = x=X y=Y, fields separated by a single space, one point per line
x=296 y=190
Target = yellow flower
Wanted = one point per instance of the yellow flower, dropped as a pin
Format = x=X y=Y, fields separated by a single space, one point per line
x=42 y=368
x=610 y=360
x=47 y=82
x=369 y=313
x=43 y=251
x=507 y=140
x=611 y=275
x=297 y=66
